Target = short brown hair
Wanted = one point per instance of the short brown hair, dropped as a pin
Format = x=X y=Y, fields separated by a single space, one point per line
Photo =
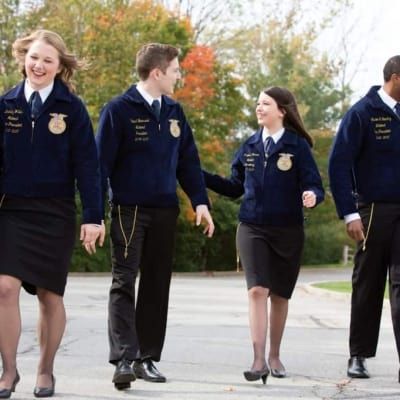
x=154 y=55
x=69 y=63
x=287 y=102
x=391 y=67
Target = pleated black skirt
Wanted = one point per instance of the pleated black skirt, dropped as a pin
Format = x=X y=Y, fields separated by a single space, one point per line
x=37 y=241
x=270 y=256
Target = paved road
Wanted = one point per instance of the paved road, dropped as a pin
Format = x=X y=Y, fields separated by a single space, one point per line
x=208 y=346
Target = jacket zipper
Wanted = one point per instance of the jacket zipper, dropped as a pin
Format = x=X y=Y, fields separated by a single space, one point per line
x=33 y=127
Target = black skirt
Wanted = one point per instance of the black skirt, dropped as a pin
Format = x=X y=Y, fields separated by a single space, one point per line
x=270 y=256
x=37 y=240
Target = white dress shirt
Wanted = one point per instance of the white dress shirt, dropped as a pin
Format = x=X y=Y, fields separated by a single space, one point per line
x=44 y=93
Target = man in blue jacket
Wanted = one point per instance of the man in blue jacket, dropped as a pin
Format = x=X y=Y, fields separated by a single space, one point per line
x=145 y=146
x=364 y=172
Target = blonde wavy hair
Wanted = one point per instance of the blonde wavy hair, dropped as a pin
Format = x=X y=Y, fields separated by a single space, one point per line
x=69 y=63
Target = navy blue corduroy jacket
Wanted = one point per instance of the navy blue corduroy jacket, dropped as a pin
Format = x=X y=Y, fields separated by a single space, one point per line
x=364 y=164
x=43 y=159
x=142 y=158
x=272 y=195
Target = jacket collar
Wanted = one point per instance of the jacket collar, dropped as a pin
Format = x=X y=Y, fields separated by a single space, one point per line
x=375 y=101
x=133 y=95
x=60 y=92
x=288 y=138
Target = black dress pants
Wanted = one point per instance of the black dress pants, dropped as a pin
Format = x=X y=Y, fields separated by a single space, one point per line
x=371 y=266
x=138 y=332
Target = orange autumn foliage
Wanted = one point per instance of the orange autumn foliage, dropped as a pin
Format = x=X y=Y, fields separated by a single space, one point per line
x=213 y=146
x=199 y=77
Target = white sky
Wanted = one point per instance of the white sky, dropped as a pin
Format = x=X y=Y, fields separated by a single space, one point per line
x=374 y=39
x=371 y=27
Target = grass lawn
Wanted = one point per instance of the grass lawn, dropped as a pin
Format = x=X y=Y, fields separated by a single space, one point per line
x=341 y=286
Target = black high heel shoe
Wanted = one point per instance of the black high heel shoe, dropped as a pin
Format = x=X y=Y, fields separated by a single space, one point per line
x=278 y=373
x=255 y=375
x=6 y=393
x=45 y=391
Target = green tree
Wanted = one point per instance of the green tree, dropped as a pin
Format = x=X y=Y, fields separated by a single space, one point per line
x=108 y=34
x=9 y=28
x=283 y=55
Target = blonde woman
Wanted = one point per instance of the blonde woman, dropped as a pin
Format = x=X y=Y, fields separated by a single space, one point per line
x=46 y=148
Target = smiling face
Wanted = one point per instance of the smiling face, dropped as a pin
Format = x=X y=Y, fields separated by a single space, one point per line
x=268 y=114
x=42 y=63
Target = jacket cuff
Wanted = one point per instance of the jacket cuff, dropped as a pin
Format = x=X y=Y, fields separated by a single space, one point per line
x=198 y=200
x=91 y=216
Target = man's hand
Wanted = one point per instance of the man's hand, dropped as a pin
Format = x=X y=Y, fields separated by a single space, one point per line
x=355 y=230
x=202 y=212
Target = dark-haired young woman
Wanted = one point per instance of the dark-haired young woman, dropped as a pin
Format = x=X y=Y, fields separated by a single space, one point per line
x=275 y=171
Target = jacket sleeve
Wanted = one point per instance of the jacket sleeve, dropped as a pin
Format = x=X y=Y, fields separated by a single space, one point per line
x=86 y=165
x=232 y=186
x=107 y=141
x=344 y=151
x=310 y=178
x=188 y=172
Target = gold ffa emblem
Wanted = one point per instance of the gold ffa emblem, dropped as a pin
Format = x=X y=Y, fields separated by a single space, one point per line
x=57 y=124
x=174 y=128
x=284 y=162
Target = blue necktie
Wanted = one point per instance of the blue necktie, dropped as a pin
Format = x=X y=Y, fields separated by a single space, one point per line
x=268 y=144
x=397 y=109
x=35 y=103
x=156 y=107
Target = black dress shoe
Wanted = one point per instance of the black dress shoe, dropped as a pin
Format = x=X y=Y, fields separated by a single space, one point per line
x=255 y=375
x=45 y=391
x=123 y=375
x=357 y=368
x=147 y=370
x=6 y=393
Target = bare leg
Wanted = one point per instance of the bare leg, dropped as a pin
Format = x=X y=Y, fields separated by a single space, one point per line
x=50 y=332
x=258 y=316
x=279 y=311
x=10 y=328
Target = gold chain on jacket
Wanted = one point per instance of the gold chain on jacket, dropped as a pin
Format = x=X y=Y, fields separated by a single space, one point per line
x=237 y=251
x=127 y=242
x=2 y=199
x=369 y=226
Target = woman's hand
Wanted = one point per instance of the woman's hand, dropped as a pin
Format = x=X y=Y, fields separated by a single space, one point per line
x=89 y=235
x=309 y=199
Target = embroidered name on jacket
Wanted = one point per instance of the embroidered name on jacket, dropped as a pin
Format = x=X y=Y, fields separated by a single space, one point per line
x=13 y=122
x=381 y=128
x=250 y=161
x=140 y=129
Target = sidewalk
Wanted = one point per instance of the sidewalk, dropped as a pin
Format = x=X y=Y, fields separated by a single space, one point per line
x=208 y=346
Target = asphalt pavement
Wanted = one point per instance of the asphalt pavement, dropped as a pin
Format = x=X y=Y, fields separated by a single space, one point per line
x=208 y=347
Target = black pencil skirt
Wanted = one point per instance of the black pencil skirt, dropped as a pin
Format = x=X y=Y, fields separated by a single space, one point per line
x=270 y=256
x=37 y=240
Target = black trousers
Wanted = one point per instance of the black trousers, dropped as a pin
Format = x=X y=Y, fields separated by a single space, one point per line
x=137 y=333
x=371 y=267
